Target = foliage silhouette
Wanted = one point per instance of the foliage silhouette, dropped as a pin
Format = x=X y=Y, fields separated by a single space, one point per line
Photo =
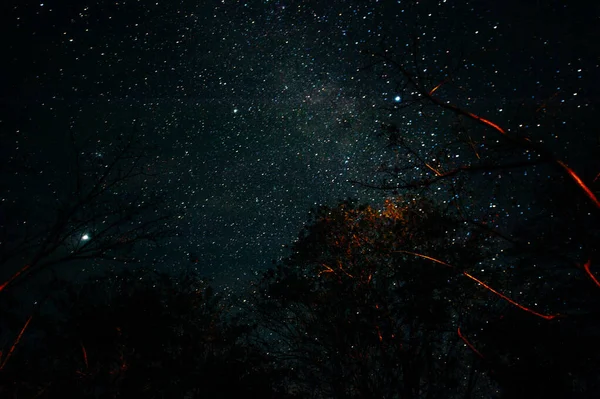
x=510 y=183
x=98 y=208
x=357 y=317
x=140 y=334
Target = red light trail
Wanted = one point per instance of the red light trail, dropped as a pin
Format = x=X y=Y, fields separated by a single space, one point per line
x=469 y=344
x=501 y=295
x=3 y=286
x=586 y=267
x=14 y=345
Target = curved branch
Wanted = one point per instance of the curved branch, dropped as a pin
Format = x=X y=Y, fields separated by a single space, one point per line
x=522 y=142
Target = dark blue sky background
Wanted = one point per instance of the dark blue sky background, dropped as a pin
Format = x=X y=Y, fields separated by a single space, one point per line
x=260 y=110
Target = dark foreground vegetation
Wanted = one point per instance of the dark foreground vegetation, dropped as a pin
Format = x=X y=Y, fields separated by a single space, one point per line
x=358 y=310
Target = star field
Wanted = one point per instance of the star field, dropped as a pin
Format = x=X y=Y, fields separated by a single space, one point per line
x=260 y=110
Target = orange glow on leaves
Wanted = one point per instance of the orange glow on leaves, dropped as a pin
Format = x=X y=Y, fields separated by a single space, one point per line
x=10 y=280
x=391 y=210
x=14 y=345
x=328 y=269
x=469 y=344
x=586 y=267
x=356 y=240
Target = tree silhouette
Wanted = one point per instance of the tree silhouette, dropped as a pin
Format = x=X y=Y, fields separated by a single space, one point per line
x=357 y=314
x=558 y=358
x=512 y=149
x=99 y=210
x=139 y=334
x=486 y=174
x=100 y=206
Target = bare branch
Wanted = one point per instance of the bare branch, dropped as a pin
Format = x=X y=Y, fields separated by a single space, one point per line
x=525 y=143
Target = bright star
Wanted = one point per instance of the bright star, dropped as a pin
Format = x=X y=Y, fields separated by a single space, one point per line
x=85 y=237
x=397 y=99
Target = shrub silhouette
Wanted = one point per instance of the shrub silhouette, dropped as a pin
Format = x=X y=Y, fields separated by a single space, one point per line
x=141 y=334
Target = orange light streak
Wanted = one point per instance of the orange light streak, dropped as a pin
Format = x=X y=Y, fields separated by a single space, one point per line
x=569 y=171
x=427 y=257
x=435 y=88
x=85 y=357
x=501 y=295
x=466 y=341
x=379 y=334
x=14 y=345
x=326 y=270
x=330 y=270
x=342 y=269
x=437 y=172
x=586 y=267
x=580 y=183
x=487 y=122
x=496 y=127
x=3 y=286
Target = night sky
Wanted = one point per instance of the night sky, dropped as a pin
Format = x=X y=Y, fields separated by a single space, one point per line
x=260 y=110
